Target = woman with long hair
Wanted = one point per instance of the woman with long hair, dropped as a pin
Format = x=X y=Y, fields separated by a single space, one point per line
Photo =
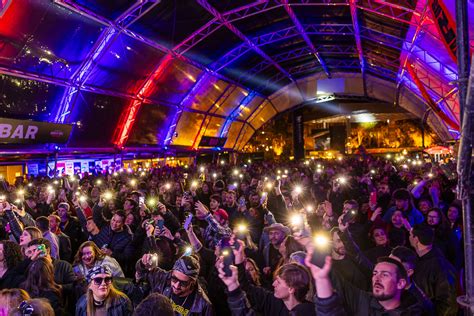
x=10 y=258
x=40 y=283
x=89 y=256
x=102 y=298
x=28 y=234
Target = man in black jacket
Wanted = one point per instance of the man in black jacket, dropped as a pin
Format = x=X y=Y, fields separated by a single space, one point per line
x=114 y=238
x=433 y=273
x=180 y=284
x=388 y=294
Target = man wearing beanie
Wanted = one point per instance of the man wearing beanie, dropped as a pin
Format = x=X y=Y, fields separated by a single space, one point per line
x=180 y=284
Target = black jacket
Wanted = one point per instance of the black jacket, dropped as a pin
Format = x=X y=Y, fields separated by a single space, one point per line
x=159 y=281
x=268 y=305
x=123 y=307
x=437 y=278
x=262 y=301
x=11 y=279
x=361 y=303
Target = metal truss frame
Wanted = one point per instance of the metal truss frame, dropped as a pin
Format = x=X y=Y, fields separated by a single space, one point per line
x=360 y=50
x=303 y=34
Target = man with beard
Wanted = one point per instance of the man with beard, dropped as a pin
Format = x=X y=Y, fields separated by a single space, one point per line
x=388 y=294
x=180 y=284
x=404 y=203
x=343 y=265
x=276 y=233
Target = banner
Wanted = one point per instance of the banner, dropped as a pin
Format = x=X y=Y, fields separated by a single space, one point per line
x=31 y=132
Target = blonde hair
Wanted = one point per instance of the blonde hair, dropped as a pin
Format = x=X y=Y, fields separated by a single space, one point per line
x=114 y=296
x=10 y=299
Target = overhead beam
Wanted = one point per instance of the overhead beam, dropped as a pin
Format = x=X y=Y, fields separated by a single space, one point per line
x=360 y=50
x=206 y=5
x=303 y=34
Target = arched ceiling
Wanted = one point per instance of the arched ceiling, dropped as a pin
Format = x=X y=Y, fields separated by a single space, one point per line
x=153 y=73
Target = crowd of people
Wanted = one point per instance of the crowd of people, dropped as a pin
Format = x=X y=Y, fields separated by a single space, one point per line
x=359 y=235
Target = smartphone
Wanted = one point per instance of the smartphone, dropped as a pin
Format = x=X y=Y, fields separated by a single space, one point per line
x=141 y=200
x=242 y=201
x=321 y=249
x=188 y=221
x=349 y=216
x=373 y=198
x=228 y=255
x=42 y=249
x=160 y=224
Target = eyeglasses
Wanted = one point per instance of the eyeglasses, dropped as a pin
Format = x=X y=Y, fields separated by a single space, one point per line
x=106 y=280
x=180 y=282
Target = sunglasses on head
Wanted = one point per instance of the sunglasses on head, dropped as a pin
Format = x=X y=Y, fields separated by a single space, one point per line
x=181 y=282
x=98 y=281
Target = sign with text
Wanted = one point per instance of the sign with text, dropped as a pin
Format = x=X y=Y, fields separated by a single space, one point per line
x=32 y=132
x=207 y=141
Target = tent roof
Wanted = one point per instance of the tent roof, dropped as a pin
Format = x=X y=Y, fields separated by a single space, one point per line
x=156 y=74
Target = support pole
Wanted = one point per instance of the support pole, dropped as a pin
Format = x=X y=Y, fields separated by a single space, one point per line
x=466 y=194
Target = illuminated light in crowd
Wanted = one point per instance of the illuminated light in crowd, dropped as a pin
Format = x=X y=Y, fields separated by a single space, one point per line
x=140 y=169
x=151 y=202
x=225 y=253
x=413 y=162
x=241 y=176
x=419 y=162
x=108 y=195
x=242 y=228
x=30 y=184
x=319 y=170
x=20 y=192
x=278 y=177
x=286 y=171
x=115 y=174
x=186 y=166
x=309 y=208
x=202 y=169
x=130 y=170
x=249 y=161
x=83 y=198
x=339 y=158
x=147 y=165
x=312 y=158
x=321 y=240
x=3 y=197
x=121 y=170
x=409 y=160
x=222 y=162
x=194 y=183
x=188 y=251
x=17 y=201
x=235 y=172
x=298 y=189
x=404 y=166
x=284 y=176
x=98 y=182
x=235 y=184
x=55 y=182
x=404 y=152
x=296 y=220
x=430 y=175
x=278 y=171
x=306 y=162
x=77 y=193
x=142 y=174
x=167 y=186
x=415 y=182
x=133 y=182
x=269 y=185
x=318 y=165
x=214 y=175
x=372 y=171
x=342 y=180
x=49 y=188
x=388 y=156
